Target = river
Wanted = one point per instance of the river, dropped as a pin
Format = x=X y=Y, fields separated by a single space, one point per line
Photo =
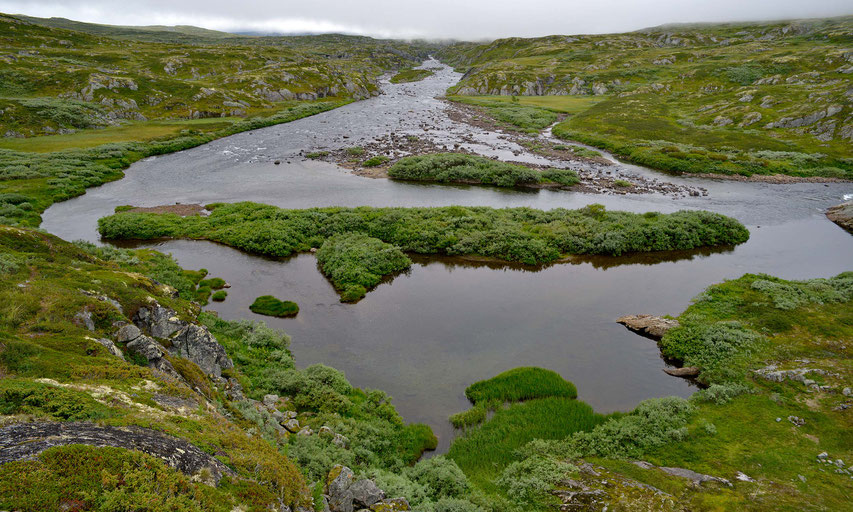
x=425 y=335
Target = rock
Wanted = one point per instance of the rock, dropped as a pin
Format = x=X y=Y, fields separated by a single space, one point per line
x=198 y=345
x=306 y=431
x=796 y=421
x=647 y=325
x=743 y=477
x=802 y=478
x=847 y=392
x=822 y=455
x=160 y=322
x=340 y=441
x=270 y=401
x=697 y=478
x=190 y=341
x=128 y=333
x=722 y=121
x=365 y=493
x=290 y=415
x=291 y=425
x=109 y=345
x=687 y=371
x=325 y=432
x=154 y=354
x=84 y=319
x=842 y=215
x=26 y=440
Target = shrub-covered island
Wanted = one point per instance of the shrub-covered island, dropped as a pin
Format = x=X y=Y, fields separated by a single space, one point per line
x=522 y=235
x=270 y=306
x=462 y=168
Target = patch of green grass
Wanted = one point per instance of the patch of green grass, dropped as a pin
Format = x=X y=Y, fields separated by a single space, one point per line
x=316 y=155
x=518 y=384
x=410 y=75
x=219 y=295
x=562 y=104
x=270 y=306
x=375 y=161
x=214 y=283
x=623 y=183
x=355 y=151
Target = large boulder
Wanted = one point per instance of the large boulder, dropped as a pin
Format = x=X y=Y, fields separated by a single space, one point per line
x=365 y=493
x=647 y=325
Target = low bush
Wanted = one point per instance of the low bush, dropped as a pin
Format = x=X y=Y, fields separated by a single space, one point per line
x=653 y=423
x=375 y=161
x=270 y=306
x=219 y=295
x=464 y=168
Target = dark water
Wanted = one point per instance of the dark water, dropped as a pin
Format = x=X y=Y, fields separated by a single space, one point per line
x=427 y=334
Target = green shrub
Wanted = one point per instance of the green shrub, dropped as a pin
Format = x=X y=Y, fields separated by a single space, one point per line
x=219 y=295
x=531 y=480
x=720 y=350
x=355 y=262
x=355 y=151
x=469 y=418
x=441 y=476
x=623 y=183
x=460 y=167
x=654 y=422
x=721 y=394
x=316 y=155
x=270 y=306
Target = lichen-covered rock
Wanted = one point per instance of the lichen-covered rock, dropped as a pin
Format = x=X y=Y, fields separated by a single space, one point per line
x=154 y=354
x=160 y=322
x=391 y=505
x=25 y=441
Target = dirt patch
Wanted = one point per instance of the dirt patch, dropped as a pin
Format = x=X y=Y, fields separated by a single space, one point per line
x=183 y=210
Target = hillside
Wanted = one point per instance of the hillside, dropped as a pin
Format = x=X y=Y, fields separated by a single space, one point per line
x=754 y=98
x=55 y=80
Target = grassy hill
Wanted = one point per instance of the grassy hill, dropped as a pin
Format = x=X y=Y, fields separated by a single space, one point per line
x=751 y=98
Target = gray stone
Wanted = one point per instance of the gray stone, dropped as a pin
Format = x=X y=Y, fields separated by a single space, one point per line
x=292 y=425
x=393 y=504
x=109 y=345
x=160 y=322
x=697 y=478
x=128 y=333
x=365 y=493
x=270 y=401
x=84 y=319
x=153 y=353
x=340 y=441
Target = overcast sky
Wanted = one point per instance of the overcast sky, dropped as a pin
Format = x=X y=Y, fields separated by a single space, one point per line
x=460 y=19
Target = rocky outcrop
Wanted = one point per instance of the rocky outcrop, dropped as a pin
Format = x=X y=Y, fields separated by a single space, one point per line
x=696 y=478
x=653 y=327
x=187 y=340
x=796 y=122
x=842 y=215
x=25 y=441
x=346 y=494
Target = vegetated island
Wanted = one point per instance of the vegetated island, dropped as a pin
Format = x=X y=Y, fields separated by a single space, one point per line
x=271 y=306
x=411 y=75
x=478 y=170
x=523 y=235
x=769 y=426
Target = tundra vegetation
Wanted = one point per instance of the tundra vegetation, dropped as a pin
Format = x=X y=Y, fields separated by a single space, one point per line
x=732 y=99
x=360 y=245
x=463 y=168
